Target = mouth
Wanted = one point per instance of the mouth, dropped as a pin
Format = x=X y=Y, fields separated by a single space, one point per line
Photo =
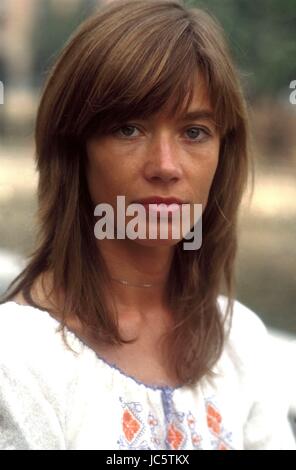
x=161 y=200
x=162 y=208
x=161 y=205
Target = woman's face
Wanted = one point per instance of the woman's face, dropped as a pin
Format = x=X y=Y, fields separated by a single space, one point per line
x=165 y=156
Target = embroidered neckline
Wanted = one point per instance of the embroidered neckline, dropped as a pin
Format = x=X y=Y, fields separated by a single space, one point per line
x=163 y=388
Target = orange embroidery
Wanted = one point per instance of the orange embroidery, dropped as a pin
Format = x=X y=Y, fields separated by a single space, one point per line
x=190 y=421
x=222 y=446
x=174 y=437
x=196 y=440
x=152 y=422
x=131 y=425
x=214 y=419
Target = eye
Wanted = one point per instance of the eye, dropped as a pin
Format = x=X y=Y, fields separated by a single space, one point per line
x=197 y=133
x=126 y=131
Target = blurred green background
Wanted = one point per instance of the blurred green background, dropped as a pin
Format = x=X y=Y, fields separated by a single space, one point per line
x=262 y=38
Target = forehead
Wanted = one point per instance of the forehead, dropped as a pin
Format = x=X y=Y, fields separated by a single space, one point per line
x=198 y=99
x=191 y=95
x=201 y=94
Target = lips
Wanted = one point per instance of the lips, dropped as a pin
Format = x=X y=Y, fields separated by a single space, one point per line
x=160 y=200
x=160 y=205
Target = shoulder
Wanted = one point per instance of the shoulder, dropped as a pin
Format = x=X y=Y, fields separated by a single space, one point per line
x=34 y=375
x=12 y=312
x=24 y=324
x=252 y=372
x=243 y=324
x=247 y=344
x=30 y=338
x=242 y=316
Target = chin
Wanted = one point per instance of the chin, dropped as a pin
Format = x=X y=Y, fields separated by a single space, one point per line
x=157 y=242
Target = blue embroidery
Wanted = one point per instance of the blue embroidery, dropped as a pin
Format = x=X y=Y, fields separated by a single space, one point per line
x=144 y=432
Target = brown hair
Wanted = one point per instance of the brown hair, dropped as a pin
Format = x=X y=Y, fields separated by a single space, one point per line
x=130 y=59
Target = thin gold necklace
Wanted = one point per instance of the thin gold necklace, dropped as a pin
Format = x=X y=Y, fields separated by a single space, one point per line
x=126 y=283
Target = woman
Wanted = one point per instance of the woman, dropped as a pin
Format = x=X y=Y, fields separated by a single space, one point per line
x=144 y=103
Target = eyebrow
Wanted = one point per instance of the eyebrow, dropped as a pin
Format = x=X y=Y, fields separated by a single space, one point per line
x=198 y=114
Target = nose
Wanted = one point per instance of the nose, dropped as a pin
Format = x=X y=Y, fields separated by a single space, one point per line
x=163 y=160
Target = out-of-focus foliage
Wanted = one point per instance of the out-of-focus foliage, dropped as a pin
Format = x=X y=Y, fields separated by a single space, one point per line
x=51 y=32
x=262 y=36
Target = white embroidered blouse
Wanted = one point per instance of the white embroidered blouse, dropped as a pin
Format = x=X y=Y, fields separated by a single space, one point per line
x=51 y=398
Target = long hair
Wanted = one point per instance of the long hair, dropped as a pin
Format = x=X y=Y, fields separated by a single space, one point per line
x=130 y=59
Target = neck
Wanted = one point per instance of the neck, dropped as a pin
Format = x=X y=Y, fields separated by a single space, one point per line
x=137 y=266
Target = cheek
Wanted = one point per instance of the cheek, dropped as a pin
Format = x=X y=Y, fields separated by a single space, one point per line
x=96 y=174
x=105 y=177
x=207 y=166
x=204 y=171
x=211 y=169
x=101 y=185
